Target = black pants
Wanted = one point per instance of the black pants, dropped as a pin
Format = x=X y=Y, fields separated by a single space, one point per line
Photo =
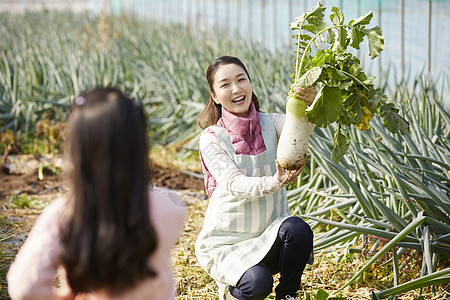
x=288 y=256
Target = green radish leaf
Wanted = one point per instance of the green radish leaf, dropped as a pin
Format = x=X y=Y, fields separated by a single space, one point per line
x=310 y=77
x=351 y=114
x=363 y=20
x=347 y=95
x=315 y=18
x=337 y=74
x=326 y=106
x=356 y=37
x=369 y=80
x=298 y=21
x=314 y=28
x=305 y=37
x=340 y=41
x=330 y=36
x=343 y=85
x=376 y=98
x=321 y=58
x=341 y=144
x=336 y=16
x=376 y=41
x=392 y=120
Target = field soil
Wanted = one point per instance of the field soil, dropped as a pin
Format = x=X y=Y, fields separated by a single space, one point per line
x=28 y=184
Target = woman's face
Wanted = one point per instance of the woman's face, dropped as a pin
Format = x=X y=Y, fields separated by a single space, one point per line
x=232 y=89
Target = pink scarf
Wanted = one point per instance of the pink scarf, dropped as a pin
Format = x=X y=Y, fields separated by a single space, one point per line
x=245 y=132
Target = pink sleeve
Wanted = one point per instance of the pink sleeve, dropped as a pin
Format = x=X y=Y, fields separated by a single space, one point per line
x=32 y=274
x=168 y=212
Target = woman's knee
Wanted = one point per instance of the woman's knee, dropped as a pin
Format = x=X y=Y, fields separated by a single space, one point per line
x=256 y=283
x=295 y=228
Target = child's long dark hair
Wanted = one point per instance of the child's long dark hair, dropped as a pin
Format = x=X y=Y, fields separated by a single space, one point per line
x=108 y=237
x=213 y=111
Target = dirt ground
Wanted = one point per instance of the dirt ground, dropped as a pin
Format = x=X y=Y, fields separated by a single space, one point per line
x=24 y=179
x=24 y=192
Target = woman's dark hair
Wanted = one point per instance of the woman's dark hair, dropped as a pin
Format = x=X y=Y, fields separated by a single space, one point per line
x=108 y=237
x=213 y=111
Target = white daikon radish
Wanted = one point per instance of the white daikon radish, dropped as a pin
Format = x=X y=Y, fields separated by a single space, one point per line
x=293 y=143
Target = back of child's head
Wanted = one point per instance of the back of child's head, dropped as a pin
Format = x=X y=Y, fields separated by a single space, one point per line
x=108 y=237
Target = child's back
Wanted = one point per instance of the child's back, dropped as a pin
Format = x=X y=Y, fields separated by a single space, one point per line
x=111 y=238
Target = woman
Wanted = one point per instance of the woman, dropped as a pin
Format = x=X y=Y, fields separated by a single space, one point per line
x=248 y=234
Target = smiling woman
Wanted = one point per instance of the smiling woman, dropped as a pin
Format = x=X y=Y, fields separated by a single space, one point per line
x=232 y=89
x=248 y=234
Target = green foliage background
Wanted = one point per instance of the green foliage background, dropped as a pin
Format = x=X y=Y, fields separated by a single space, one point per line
x=389 y=186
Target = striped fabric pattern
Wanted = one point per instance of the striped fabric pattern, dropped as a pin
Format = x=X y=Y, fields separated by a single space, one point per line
x=238 y=232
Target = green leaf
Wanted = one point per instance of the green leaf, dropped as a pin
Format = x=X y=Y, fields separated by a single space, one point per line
x=320 y=58
x=352 y=109
x=305 y=37
x=338 y=74
x=321 y=295
x=356 y=37
x=376 y=98
x=376 y=41
x=326 y=107
x=336 y=16
x=340 y=40
x=298 y=21
x=310 y=77
x=363 y=20
x=369 y=80
x=330 y=36
x=400 y=236
x=436 y=278
x=314 y=18
x=392 y=120
x=348 y=117
x=341 y=142
x=343 y=85
x=374 y=296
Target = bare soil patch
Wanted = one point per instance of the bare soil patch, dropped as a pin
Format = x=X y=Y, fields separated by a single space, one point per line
x=175 y=180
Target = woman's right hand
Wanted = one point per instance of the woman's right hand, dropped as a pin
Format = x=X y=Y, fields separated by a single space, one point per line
x=307 y=94
x=286 y=177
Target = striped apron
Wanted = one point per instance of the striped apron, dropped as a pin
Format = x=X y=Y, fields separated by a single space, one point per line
x=238 y=232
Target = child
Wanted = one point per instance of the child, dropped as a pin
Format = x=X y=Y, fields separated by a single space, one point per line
x=248 y=234
x=112 y=237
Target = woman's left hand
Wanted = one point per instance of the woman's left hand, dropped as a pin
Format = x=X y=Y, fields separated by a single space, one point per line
x=307 y=94
x=285 y=176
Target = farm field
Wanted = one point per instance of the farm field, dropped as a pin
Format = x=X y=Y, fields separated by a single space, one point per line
x=23 y=196
x=380 y=213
